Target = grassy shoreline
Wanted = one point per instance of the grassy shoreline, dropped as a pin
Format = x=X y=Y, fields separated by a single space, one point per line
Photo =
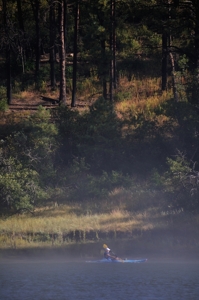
x=73 y=232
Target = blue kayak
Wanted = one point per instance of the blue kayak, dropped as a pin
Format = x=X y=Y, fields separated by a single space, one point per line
x=117 y=261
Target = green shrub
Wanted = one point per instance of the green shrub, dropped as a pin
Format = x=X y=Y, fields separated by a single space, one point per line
x=98 y=187
x=3 y=105
x=122 y=95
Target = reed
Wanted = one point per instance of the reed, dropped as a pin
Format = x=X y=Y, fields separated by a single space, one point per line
x=65 y=224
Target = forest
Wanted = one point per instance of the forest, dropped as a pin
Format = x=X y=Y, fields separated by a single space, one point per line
x=114 y=139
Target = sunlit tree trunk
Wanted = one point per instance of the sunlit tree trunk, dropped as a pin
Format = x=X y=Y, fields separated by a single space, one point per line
x=172 y=60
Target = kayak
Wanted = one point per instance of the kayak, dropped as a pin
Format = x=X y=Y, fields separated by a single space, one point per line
x=117 y=261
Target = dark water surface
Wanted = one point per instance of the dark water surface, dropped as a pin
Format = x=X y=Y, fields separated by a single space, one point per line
x=59 y=280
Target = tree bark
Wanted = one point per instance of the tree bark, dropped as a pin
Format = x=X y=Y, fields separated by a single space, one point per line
x=175 y=93
x=114 y=46
x=8 y=55
x=36 y=10
x=62 y=95
x=9 y=79
x=22 y=34
x=73 y=103
x=164 y=60
x=172 y=60
x=104 y=68
x=38 y=42
x=111 y=80
x=52 y=45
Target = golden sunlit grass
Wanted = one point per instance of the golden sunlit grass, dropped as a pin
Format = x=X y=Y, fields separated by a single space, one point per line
x=23 y=231
x=37 y=229
x=48 y=226
x=66 y=222
x=143 y=97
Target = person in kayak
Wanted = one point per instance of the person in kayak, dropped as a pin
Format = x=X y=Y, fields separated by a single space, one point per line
x=108 y=253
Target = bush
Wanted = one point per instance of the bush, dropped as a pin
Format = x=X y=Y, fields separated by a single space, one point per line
x=3 y=105
x=98 y=187
x=3 y=101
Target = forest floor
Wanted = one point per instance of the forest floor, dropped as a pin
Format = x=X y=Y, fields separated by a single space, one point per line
x=30 y=100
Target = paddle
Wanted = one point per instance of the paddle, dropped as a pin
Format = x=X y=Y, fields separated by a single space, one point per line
x=119 y=258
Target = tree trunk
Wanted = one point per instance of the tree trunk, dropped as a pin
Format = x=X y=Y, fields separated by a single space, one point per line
x=172 y=60
x=114 y=47
x=73 y=103
x=104 y=68
x=164 y=60
x=62 y=95
x=9 y=80
x=52 y=45
x=8 y=55
x=22 y=32
x=38 y=42
x=111 y=80
x=36 y=10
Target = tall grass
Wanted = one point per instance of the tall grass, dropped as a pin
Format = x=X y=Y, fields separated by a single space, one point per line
x=65 y=225
x=140 y=96
x=66 y=222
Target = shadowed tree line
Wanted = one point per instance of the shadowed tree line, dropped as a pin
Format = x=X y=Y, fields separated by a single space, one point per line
x=85 y=157
x=64 y=155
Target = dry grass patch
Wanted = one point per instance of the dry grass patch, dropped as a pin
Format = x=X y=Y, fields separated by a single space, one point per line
x=66 y=226
x=65 y=221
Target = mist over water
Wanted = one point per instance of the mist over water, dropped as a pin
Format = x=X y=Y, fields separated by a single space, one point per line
x=59 y=279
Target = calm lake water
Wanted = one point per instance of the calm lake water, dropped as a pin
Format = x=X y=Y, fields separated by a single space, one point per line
x=60 y=280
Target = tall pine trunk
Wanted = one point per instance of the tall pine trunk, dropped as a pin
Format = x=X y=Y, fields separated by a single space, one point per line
x=22 y=33
x=75 y=44
x=104 y=68
x=172 y=60
x=164 y=60
x=8 y=54
x=9 y=79
x=38 y=41
x=62 y=94
x=113 y=79
x=52 y=45
x=114 y=46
